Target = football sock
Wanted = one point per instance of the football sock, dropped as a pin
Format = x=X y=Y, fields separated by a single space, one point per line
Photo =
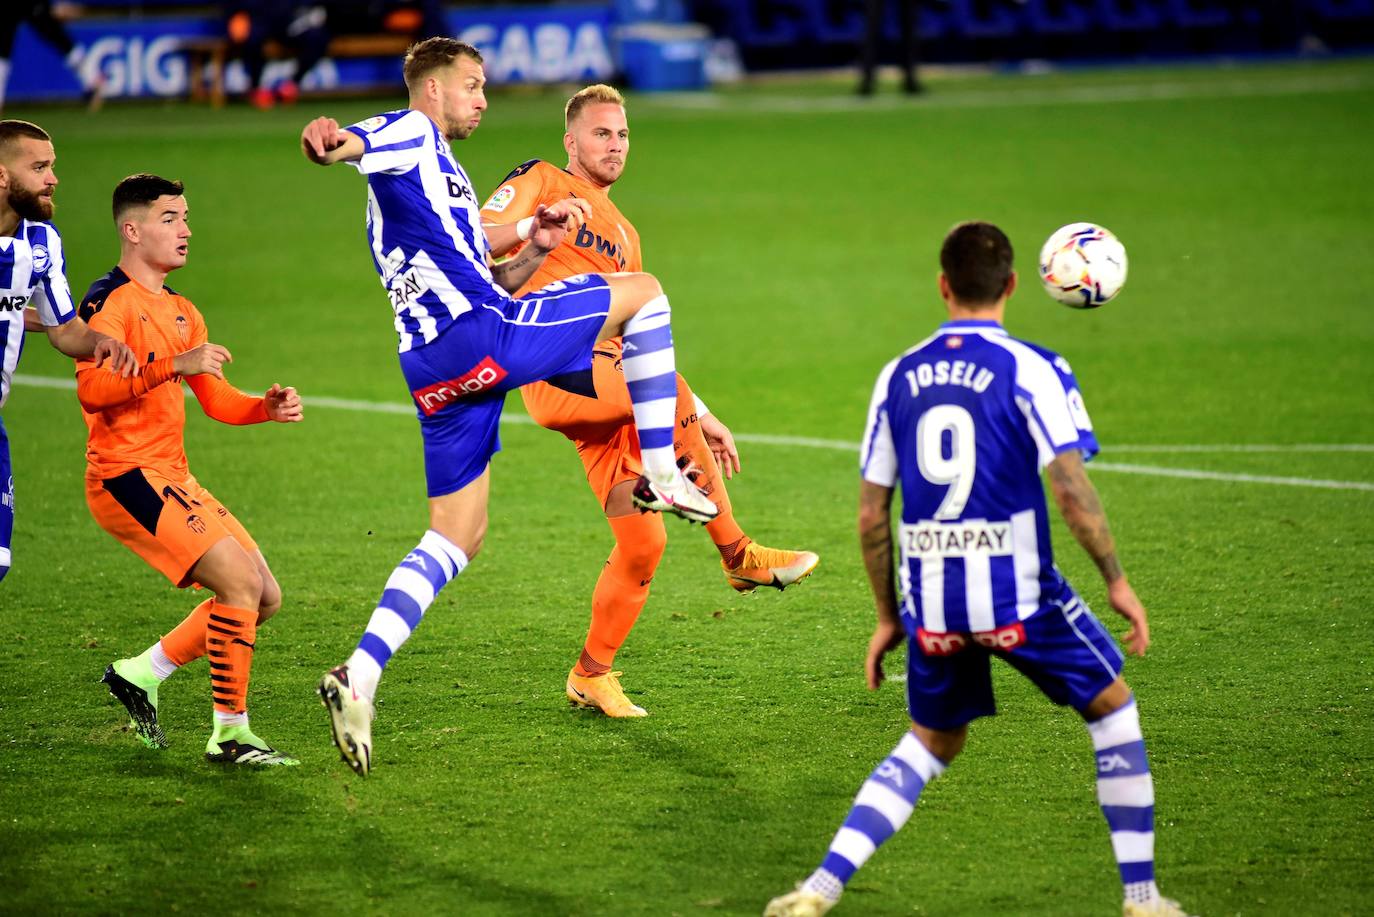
x=725 y=532
x=1126 y=793
x=229 y=637
x=409 y=590
x=651 y=376
x=186 y=642
x=883 y=805
x=622 y=589
x=731 y=552
x=148 y=669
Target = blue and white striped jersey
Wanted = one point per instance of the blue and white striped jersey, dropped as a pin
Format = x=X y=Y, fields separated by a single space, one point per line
x=32 y=273
x=422 y=225
x=967 y=419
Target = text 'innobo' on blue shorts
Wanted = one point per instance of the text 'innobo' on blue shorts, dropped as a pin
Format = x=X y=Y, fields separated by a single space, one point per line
x=460 y=379
x=1063 y=648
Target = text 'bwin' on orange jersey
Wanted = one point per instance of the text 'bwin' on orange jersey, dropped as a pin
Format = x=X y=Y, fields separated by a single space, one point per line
x=606 y=244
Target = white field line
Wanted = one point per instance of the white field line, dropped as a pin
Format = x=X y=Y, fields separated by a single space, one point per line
x=839 y=445
x=1022 y=94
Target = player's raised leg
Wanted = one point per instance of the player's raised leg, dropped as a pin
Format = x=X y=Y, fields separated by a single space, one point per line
x=458 y=523
x=885 y=802
x=230 y=638
x=640 y=313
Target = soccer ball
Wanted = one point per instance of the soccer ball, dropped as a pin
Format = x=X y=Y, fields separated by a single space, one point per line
x=1083 y=265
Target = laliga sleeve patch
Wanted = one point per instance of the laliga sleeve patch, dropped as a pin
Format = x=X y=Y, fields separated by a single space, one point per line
x=501 y=199
x=371 y=124
x=41 y=260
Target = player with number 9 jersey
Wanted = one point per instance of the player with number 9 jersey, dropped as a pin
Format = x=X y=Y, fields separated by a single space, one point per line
x=976 y=415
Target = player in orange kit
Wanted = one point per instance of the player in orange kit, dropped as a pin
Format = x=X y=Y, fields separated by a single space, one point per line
x=592 y=407
x=140 y=489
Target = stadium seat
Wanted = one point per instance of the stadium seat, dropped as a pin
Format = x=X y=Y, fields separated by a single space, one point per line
x=1057 y=17
x=1128 y=15
x=1199 y=14
x=983 y=19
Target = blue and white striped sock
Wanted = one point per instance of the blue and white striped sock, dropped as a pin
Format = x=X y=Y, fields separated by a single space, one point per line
x=409 y=590
x=1126 y=793
x=884 y=803
x=651 y=375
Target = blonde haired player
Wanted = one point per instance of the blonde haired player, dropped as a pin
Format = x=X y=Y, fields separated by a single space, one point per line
x=591 y=406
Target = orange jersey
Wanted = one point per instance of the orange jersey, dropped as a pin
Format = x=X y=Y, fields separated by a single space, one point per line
x=147 y=430
x=606 y=244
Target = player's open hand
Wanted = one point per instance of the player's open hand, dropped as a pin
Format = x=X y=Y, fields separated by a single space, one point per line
x=553 y=222
x=283 y=404
x=207 y=359
x=121 y=357
x=722 y=444
x=319 y=137
x=1124 y=601
x=887 y=636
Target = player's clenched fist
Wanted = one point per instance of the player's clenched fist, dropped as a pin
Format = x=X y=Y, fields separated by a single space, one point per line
x=283 y=404
x=319 y=137
x=203 y=360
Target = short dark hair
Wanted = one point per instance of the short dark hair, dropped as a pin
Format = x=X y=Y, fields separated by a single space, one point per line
x=12 y=130
x=424 y=57
x=977 y=261
x=141 y=190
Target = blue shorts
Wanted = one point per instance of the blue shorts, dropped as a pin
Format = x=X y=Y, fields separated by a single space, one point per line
x=6 y=501
x=1066 y=651
x=460 y=379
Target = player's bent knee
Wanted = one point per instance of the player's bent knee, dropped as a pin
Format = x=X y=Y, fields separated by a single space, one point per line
x=944 y=744
x=270 y=603
x=642 y=553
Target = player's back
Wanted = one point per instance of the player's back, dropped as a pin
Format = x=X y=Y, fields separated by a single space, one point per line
x=605 y=244
x=966 y=420
x=147 y=431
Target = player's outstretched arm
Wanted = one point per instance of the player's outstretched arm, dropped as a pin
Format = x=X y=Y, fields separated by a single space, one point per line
x=875 y=537
x=77 y=339
x=550 y=225
x=324 y=143
x=503 y=237
x=1082 y=510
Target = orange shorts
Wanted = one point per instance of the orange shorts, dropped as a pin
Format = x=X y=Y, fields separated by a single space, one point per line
x=602 y=427
x=168 y=523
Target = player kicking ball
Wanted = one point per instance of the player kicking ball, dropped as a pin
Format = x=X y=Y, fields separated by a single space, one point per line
x=966 y=421
x=465 y=342
x=592 y=405
x=140 y=488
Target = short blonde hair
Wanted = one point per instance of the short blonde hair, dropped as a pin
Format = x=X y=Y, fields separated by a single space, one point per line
x=592 y=95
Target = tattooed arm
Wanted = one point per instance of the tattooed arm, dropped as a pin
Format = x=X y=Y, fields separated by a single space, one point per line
x=1082 y=510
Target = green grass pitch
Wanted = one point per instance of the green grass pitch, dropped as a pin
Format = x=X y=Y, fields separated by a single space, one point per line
x=796 y=232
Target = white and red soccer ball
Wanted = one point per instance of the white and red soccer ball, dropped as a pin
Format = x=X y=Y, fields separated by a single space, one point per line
x=1083 y=265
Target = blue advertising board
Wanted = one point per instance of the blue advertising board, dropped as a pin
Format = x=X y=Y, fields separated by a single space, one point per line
x=143 y=58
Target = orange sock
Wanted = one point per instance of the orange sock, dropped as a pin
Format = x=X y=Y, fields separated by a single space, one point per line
x=725 y=532
x=229 y=636
x=186 y=642
x=622 y=588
